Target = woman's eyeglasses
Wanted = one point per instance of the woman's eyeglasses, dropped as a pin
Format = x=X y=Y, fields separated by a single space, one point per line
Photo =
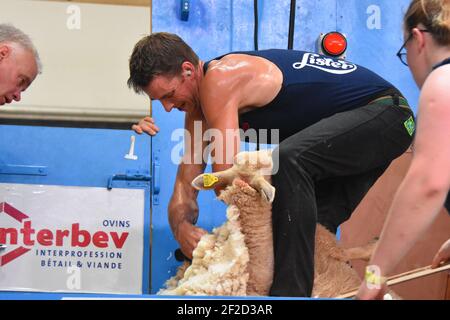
x=402 y=55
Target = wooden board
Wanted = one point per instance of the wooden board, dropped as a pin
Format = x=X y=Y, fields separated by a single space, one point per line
x=403 y=277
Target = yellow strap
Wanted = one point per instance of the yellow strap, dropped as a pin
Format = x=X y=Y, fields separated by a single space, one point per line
x=373 y=278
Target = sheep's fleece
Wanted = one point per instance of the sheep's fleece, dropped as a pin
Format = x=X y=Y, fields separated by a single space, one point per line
x=219 y=264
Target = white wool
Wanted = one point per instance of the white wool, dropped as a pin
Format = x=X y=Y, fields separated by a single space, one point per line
x=219 y=264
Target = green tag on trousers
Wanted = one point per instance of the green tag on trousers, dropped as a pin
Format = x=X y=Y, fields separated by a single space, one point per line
x=410 y=125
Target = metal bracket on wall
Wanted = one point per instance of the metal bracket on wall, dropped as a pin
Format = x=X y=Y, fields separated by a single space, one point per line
x=156 y=175
x=184 y=7
x=132 y=178
x=23 y=170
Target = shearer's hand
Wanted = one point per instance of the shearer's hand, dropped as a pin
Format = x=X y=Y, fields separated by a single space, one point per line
x=188 y=237
x=146 y=125
x=443 y=255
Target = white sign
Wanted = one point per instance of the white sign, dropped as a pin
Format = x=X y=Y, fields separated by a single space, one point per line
x=71 y=239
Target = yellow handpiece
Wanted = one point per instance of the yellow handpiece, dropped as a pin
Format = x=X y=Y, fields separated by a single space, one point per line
x=209 y=180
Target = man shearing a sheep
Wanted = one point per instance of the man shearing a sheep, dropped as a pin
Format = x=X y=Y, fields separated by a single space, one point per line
x=340 y=125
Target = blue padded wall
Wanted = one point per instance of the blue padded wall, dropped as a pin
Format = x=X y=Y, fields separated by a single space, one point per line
x=77 y=157
x=376 y=48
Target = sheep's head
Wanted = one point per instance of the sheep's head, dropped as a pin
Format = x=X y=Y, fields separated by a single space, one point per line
x=254 y=162
x=251 y=167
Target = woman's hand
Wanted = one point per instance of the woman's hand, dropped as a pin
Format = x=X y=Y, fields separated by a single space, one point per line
x=442 y=256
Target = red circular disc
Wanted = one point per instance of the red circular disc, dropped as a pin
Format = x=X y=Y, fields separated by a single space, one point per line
x=334 y=43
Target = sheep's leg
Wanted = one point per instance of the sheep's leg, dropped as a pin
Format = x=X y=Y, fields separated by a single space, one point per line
x=356 y=253
x=208 y=181
x=361 y=253
x=264 y=187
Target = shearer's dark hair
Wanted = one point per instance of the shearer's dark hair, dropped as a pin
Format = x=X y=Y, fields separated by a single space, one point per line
x=156 y=54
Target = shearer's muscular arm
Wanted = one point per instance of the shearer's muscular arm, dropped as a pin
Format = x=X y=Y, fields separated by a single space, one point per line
x=234 y=84
x=220 y=103
x=183 y=208
x=219 y=112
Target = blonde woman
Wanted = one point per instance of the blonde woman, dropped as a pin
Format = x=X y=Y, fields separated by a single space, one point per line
x=425 y=187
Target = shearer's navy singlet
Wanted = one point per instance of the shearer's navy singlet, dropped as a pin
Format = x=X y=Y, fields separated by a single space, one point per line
x=314 y=87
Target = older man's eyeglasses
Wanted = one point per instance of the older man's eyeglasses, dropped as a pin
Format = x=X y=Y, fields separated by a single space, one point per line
x=402 y=55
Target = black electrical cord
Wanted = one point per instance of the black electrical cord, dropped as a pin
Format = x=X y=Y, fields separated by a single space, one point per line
x=292 y=24
x=255 y=41
x=255 y=33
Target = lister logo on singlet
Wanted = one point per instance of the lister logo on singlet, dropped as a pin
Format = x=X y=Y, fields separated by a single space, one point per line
x=325 y=64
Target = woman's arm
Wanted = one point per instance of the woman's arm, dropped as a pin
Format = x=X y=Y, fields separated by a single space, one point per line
x=424 y=189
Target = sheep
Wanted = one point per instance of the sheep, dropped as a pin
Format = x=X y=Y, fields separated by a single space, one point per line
x=237 y=258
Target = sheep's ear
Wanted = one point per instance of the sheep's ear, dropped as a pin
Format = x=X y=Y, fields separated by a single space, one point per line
x=267 y=191
x=235 y=159
x=241 y=158
x=265 y=159
x=205 y=181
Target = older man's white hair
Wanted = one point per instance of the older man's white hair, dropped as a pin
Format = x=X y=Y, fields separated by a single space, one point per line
x=9 y=33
